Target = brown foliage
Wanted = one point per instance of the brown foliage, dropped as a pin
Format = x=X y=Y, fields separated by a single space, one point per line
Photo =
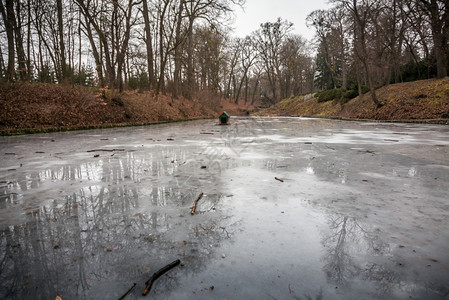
x=33 y=105
x=27 y=105
x=418 y=100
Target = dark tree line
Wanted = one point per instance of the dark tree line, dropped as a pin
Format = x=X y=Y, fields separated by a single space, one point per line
x=183 y=47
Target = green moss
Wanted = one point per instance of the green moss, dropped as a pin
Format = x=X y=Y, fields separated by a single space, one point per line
x=287 y=101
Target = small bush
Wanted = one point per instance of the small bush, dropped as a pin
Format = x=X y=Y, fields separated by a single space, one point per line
x=328 y=95
x=353 y=92
x=339 y=94
x=350 y=94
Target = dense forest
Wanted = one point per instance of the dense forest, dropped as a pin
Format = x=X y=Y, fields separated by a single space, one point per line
x=186 y=47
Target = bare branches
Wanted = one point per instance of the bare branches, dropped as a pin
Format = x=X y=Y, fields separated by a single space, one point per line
x=190 y=50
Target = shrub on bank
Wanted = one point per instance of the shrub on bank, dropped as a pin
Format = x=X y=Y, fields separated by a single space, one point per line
x=339 y=94
x=328 y=95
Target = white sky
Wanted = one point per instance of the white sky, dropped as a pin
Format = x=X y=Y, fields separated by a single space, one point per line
x=260 y=11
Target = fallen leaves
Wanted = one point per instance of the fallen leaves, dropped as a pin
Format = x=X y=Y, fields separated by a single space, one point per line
x=44 y=106
x=417 y=100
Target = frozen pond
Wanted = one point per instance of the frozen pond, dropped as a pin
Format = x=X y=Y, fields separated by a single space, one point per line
x=292 y=209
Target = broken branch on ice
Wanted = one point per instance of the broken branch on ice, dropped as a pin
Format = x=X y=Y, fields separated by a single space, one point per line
x=195 y=202
x=158 y=274
x=279 y=179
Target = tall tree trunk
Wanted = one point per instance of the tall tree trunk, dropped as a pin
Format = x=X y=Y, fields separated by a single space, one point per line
x=7 y=12
x=253 y=99
x=19 y=44
x=246 y=89
x=2 y=62
x=358 y=75
x=104 y=44
x=61 y=41
x=344 y=68
x=439 y=30
x=121 y=53
x=80 y=48
x=242 y=81
x=178 y=52
x=231 y=73
x=344 y=75
x=149 y=44
x=163 y=58
x=272 y=82
x=190 y=68
x=363 y=56
x=439 y=40
x=440 y=54
x=97 y=56
x=29 y=38
x=327 y=61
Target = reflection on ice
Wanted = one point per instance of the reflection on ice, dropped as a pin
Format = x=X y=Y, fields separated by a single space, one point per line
x=97 y=235
x=347 y=242
x=361 y=211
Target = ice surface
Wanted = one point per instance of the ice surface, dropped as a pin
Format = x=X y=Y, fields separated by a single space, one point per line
x=358 y=211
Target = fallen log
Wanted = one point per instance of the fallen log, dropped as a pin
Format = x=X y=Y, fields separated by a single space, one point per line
x=279 y=179
x=195 y=202
x=158 y=274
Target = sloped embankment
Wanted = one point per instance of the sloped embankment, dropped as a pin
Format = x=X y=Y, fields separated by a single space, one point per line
x=418 y=100
x=36 y=107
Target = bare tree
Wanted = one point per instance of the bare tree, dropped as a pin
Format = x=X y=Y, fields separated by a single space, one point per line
x=270 y=38
x=294 y=64
x=61 y=41
x=148 y=44
x=247 y=56
x=113 y=33
x=8 y=15
x=232 y=56
x=361 y=14
x=210 y=11
x=438 y=13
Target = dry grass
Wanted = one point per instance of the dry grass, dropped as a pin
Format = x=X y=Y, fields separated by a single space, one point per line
x=45 y=106
x=419 y=100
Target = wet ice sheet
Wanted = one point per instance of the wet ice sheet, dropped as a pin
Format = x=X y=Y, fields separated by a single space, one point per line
x=362 y=211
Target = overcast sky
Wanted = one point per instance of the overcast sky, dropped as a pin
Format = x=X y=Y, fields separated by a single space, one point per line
x=260 y=11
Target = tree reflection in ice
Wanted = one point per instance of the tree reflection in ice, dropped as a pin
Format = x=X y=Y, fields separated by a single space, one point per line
x=351 y=249
x=119 y=227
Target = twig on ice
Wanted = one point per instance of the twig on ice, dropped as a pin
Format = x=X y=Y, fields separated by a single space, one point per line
x=158 y=274
x=127 y=292
x=194 y=204
x=105 y=150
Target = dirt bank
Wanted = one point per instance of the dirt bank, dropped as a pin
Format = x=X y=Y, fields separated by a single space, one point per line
x=34 y=107
x=411 y=101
